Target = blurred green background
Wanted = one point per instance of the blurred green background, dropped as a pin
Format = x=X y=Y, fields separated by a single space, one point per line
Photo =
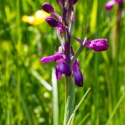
x=26 y=99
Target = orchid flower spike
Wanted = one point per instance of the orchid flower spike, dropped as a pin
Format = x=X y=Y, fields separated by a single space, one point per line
x=111 y=3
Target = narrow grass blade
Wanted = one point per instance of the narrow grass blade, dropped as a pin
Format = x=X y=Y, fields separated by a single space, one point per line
x=116 y=107
x=55 y=98
x=93 y=16
x=41 y=80
x=65 y=114
x=30 y=122
x=71 y=119
x=81 y=123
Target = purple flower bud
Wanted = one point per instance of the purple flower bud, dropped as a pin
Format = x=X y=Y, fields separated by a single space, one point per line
x=111 y=3
x=77 y=74
x=97 y=44
x=48 y=8
x=73 y=1
x=52 y=22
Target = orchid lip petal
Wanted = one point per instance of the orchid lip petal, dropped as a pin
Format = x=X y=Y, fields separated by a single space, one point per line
x=64 y=68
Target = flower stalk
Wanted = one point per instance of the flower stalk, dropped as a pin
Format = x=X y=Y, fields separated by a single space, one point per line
x=65 y=58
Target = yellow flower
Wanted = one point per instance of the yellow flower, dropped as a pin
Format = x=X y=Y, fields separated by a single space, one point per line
x=38 y=18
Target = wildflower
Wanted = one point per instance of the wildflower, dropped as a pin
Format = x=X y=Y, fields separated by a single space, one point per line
x=77 y=74
x=61 y=66
x=111 y=3
x=47 y=7
x=53 y=23
x=37 y=19
x=97 y=44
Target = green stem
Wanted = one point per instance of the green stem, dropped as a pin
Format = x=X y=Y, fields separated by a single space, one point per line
x=78 y=52
x=18 y=61
x=69 y=98
x=115 y=56
x=76 y=55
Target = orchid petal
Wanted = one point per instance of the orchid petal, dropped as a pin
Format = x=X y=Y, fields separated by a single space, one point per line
x=78 y=78
x=50 y=58
x=97 y=44
x=64 y=68
x=58 y=73
x=119 y=1
x=48 y=7
x=60 y=48
x=110 y=4
x=77 y=74
x=52 y=22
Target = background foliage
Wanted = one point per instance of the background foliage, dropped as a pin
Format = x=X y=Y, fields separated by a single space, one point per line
x=23 y=98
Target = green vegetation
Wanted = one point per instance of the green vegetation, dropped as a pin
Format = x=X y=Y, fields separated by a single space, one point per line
x=26 y=95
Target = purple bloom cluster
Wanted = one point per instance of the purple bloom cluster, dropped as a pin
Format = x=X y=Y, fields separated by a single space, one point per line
x=111 y=3
x=63 y=68
x=65 y=54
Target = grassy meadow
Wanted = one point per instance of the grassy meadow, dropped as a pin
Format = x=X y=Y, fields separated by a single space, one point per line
x=27 y=93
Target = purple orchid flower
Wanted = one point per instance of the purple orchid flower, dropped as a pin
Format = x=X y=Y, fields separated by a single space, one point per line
x=111 y=3
x=53 y=23
x=61 y=66
x=96 y=45
x=49 y=9
x=77 y=74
